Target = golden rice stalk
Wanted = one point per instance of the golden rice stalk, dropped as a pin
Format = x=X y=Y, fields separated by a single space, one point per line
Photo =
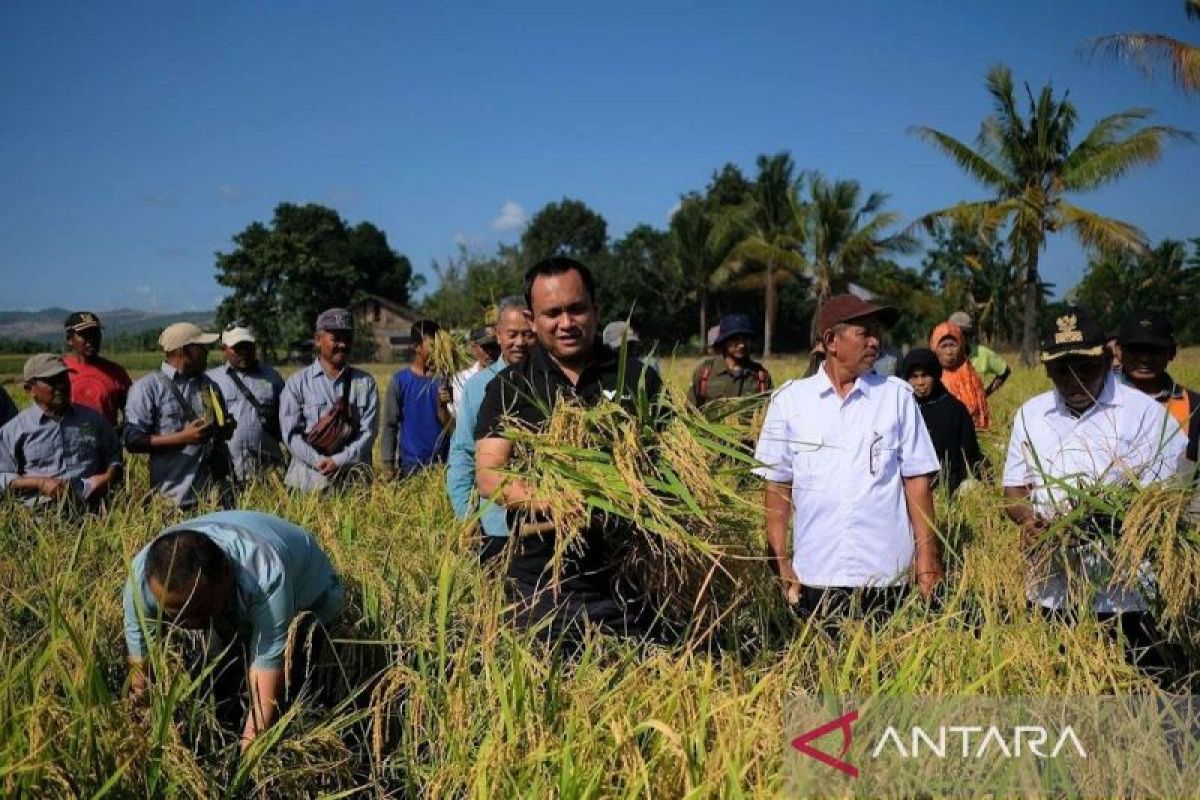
x=1153 y=532
x=447 y=356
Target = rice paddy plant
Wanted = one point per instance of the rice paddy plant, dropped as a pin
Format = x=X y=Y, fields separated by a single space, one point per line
x=431 y=695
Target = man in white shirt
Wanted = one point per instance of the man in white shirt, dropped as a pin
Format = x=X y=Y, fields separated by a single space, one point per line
x=486 y=350
x=1089 y=430
x=848 y=451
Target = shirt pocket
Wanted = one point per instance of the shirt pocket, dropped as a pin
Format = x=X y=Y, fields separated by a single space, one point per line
x=882 y=456
x=812 y=455
x=39 y=456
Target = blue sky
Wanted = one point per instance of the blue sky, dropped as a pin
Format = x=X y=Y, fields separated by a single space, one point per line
x=138 y=138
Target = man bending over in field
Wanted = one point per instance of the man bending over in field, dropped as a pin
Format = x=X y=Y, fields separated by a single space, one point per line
x=243 y=576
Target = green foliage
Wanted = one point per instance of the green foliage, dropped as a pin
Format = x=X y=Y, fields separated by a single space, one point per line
x=1029 y=162
x=470 y=283
x=1165 y=281
x=566 y=228
x=306 y=260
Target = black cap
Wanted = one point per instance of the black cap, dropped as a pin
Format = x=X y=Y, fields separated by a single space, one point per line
x=81 y=321
x=1143 y=327
x=1073 y=333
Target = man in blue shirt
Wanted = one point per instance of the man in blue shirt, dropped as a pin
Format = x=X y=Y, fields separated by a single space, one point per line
x=416 y=418
x=515 y=336
x=244 y=576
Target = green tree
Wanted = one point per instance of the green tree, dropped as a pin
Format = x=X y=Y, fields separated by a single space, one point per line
x=307 y=259
x=641 y=280
x=770 y=252
x=1165 y=281
x=844 y=233
x=1148 y=50
x=566 y=228
x=1030 y=165
x=703 y=235
x=469 y=284
x=970 y=274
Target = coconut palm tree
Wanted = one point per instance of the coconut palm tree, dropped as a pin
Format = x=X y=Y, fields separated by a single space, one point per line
x=1030 y=165
x=703 y=238
x=842 y=233
x=1147 y=50
x=770 y=251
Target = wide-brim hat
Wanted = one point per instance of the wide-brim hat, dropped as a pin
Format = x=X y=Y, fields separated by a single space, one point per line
x=733 y=325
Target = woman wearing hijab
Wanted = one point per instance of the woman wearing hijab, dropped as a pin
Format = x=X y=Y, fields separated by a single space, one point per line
x=958 y=376
x=948 y=421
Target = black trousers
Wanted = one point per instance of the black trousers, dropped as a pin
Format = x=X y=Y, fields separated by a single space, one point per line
x=831 y=604
x=490 y=547
x=1145 y=645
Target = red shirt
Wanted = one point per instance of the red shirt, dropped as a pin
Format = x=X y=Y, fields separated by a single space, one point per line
x=101 y=386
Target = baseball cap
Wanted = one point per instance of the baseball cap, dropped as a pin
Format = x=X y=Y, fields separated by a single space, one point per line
x=614 y=332
x=181 y=334
x=80 y=321
x=335 y=319
x=43 y=365
x=483 y=335
x=847 y=308
x=963 y=320
x=236 y=333
x=1146 y=328
x=1074 y=333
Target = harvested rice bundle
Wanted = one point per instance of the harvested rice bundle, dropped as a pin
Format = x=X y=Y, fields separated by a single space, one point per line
x=665 y=486
x=448 y=355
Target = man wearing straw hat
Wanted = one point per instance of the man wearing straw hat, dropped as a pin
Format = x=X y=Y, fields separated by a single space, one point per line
x=848 y=462
x=568 y=361
x=1090 y=429
x=56 y=447
x=177 y=415
x=329 y=411
x=251 y=390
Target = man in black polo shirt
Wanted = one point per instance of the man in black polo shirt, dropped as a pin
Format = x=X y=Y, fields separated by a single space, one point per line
x=568 y=362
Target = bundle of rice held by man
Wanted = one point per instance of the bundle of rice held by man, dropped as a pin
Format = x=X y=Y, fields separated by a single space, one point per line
x=447 y=355
x=664 y=479
x=1138 y=526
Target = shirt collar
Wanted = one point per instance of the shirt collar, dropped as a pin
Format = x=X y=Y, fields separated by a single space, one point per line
x=1107 y=399
x=170 y=371
x=861 y=384
x=315 y=369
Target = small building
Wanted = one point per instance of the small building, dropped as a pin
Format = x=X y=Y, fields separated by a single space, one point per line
x=390 y=324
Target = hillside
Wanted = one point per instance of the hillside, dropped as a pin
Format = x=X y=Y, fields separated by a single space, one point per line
x=46 y=325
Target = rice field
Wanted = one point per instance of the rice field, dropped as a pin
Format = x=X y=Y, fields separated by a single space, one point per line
x=435 y=697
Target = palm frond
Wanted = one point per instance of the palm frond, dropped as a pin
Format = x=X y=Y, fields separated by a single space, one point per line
x=1099 y=233
x=1097 y=165
x=982 y=218
x=975 y=164
x=1147 y=51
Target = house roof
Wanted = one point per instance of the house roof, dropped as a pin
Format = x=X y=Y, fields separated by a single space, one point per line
x=390 y=305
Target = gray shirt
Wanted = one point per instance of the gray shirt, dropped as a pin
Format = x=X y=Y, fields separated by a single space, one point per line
x=252 y=446
x=307 y=395
x=78 y=446
x=180 y=473
x=8 y=409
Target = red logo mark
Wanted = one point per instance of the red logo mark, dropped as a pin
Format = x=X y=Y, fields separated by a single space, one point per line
x=843 y=723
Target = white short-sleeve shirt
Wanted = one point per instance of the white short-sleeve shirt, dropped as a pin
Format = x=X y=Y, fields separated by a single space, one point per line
x=1125 y=438
x=846 y=460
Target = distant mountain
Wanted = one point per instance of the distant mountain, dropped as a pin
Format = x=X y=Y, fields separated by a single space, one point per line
x=47 y=325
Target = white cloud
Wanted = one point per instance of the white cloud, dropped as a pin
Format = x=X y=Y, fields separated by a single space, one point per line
x=674 y=210
x=228 y=193
x=512 y=217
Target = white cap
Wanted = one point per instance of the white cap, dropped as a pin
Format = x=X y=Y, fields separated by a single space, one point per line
x=236 y=335
x=181 y=334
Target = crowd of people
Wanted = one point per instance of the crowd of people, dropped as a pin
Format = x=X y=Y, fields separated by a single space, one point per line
x=886 y=429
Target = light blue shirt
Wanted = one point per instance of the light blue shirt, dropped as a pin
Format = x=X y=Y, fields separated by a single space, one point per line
x=460 y=470
x=252 y=447
x=78 y=446
x=280 y=571
x=180 y=473
x=307 y=395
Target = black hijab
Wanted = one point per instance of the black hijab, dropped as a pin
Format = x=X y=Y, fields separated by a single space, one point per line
x=923 y=358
